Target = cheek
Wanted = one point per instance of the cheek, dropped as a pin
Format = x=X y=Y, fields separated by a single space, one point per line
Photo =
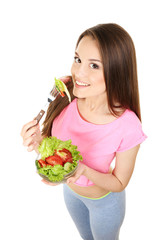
x=100 y=84
x=99 y=80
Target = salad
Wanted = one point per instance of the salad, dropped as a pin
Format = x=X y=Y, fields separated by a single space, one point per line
x=61 y=87
x=57 y=158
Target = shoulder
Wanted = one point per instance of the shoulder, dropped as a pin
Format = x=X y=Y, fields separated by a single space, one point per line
x=131 y=131
x=130 y=119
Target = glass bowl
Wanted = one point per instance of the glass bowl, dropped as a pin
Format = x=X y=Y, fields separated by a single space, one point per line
x=68 y=175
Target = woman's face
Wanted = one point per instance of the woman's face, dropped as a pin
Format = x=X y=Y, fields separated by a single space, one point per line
x=87 y=70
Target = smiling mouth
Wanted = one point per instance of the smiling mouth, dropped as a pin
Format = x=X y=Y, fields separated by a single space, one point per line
x=82 y=84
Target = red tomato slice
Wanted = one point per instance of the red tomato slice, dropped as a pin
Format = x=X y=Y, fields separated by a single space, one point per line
x=67 y=155
x=67 y=152
x=54 y=160
x=42 y=163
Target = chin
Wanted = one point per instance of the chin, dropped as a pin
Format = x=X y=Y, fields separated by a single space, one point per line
x=78 y=94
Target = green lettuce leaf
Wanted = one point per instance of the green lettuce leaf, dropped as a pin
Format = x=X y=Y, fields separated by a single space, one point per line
x=62 y=87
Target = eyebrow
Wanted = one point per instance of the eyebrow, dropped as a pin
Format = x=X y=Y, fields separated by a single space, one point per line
x=94 y=60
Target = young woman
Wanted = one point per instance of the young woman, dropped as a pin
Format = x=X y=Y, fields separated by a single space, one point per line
x=104 y=121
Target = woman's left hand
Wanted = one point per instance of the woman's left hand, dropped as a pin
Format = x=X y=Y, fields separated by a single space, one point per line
x=80 y=171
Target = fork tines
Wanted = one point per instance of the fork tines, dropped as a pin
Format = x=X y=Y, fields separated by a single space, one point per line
x=53 y=94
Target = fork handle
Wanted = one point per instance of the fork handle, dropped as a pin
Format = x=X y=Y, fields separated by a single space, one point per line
x=40 y=115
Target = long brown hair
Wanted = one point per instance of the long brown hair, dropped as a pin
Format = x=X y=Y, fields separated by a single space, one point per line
x=56 y=107
x=120 y=72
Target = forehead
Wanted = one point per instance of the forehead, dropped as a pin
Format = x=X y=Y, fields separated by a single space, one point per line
x=88 y=47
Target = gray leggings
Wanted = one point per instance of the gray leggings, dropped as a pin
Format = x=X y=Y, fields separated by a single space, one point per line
x=96 y=219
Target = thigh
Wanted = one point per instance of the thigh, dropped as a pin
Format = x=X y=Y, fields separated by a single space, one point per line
x=106 y=216
x=78 y=212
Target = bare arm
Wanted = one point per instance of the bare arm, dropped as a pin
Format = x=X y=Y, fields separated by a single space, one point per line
x=118 y=179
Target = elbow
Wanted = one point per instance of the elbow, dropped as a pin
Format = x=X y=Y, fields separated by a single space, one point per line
x=121 y=188
x=115 y=188
x=118 y=187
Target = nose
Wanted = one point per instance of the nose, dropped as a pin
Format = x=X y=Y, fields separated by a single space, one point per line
x=81 y=71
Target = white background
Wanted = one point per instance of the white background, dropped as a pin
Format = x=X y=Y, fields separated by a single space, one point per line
x=37 y=44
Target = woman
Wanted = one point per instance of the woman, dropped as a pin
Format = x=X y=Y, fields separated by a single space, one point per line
x=104 y=121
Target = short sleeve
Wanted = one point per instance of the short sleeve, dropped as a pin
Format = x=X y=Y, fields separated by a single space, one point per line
x=132 y=135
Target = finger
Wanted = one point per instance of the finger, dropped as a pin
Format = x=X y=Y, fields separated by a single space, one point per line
x=70 y=180
x=32 y=131
x=45 y=181
x=28 y=141
x=49 y=183
x=73 y=179
x=27 y=126
x=32 y=147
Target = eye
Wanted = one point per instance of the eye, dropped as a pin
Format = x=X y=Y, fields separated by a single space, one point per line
x=77 y=60
x=94 y=66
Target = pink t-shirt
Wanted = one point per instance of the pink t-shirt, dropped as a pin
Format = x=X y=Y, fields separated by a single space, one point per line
x=98 y=144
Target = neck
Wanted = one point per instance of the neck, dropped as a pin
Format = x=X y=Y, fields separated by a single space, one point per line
x=96 y=105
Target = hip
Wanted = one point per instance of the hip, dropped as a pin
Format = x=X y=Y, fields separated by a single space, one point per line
x=93 y=191
x=111 y=199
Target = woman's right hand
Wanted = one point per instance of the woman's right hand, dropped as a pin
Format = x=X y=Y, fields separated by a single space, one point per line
x=31 y=135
